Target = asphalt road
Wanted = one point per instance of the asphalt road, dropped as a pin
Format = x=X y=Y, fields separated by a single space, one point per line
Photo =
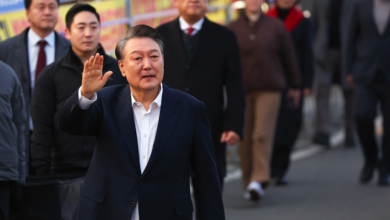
x=323 y=186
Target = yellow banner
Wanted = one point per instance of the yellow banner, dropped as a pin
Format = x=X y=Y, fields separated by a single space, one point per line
x=14 y=23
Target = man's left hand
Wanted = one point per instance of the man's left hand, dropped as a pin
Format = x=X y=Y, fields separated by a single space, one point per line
x=230 y=137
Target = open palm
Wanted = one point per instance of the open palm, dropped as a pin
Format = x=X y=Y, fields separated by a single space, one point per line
x=93 y=78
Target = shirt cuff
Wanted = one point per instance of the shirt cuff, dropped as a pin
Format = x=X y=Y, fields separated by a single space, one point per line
x=85 y=103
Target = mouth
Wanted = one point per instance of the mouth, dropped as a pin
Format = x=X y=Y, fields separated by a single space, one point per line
x=148 y=76
x=88 y=42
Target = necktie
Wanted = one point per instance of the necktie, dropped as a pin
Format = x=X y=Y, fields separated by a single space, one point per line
x=190 y=30
x=41 y=57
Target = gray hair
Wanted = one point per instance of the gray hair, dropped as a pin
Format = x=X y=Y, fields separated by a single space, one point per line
x=139 y=31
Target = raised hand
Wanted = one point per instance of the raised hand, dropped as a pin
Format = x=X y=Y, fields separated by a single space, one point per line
x=93 y=79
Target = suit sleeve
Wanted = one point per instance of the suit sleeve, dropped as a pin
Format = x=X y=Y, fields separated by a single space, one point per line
x=43 y=108
x=19 y=119
x=77 y=121
x=308 y=61
x=289 y=59
x=235 y=112
x=207 y=190
x=352 y=34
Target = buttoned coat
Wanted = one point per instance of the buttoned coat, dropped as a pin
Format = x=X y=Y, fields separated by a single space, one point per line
x=214 y=66
x=367 y=50
x=114 y=182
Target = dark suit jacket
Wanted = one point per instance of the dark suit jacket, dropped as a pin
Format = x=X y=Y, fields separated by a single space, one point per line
x=215 y=64
x=14 y=52
x=367 y=49
x=114 y=182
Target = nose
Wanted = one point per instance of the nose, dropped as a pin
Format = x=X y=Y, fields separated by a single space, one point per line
x=88 y=32
x=146 y=64
x=47 y=10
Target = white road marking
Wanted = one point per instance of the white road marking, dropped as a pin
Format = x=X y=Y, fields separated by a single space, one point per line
x=335 y=141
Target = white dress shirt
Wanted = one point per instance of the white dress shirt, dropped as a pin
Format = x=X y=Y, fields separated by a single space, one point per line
x=33 y=50
x=146 y=127
x=197 y=26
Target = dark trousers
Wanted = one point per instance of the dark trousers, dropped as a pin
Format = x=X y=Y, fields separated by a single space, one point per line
x=5 y=197
x=367 y=100
x=323 y=111
x=287 y=130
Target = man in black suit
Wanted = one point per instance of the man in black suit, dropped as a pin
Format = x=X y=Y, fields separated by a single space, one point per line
x=53 y=151
x=202 y=58
x=29 y=52
x=368 y=51
x=147 y=137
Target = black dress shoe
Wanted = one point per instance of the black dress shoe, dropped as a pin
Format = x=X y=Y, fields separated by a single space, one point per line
x=367 y=173
x=281 y=181
x=322 y=139
x=384 y=180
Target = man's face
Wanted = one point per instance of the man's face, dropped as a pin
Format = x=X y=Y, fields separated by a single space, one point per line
x=192 y=8
x=285 y=4
x=142 y=64
x=253 y=6
x=43 y=14
x=84 y=33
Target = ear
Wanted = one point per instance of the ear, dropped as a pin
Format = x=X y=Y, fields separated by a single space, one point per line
x=67 y=33
x=122 y=68
x=27 y=13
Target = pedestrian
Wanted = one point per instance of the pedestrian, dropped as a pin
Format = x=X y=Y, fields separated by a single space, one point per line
x=202 y=59
x=331 y=19
x=29 y=52
x=270 y=64
x=290 y=117
x=52 y=150
x=368 y=50
x=148 y=137
x=12 y=125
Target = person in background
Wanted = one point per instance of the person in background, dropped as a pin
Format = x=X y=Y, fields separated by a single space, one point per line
x=52 y=149
x=12 y=125
x=29 y=52
x=202 y=59
x=330 y=18
x=269 y=65
x=290 y=117
x=368 y=51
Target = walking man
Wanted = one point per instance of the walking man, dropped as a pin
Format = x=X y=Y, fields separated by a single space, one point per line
x=202 y=58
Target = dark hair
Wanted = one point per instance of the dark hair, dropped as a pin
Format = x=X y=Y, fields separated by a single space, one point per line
x=139 y=31
x=77 y=8
x=27 y=3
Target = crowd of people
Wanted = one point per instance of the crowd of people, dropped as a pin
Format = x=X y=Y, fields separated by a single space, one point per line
x=252 y=77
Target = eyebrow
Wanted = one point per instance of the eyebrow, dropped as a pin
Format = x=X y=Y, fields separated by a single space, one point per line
x=137 y=51
x=83 y=23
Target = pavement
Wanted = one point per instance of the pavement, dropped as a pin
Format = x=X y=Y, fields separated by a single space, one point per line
x=323 y=186
x=323 y=182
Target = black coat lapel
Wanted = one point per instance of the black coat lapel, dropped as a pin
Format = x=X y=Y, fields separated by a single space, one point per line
x=206 y=37
x=177 y=41
x=21 y=53
x=168 y=116
x=124 y=116
x=61 y=46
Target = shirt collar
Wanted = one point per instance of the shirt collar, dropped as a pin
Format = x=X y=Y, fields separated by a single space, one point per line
x=157 y=100
x=184 y=25
x=33 y=38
